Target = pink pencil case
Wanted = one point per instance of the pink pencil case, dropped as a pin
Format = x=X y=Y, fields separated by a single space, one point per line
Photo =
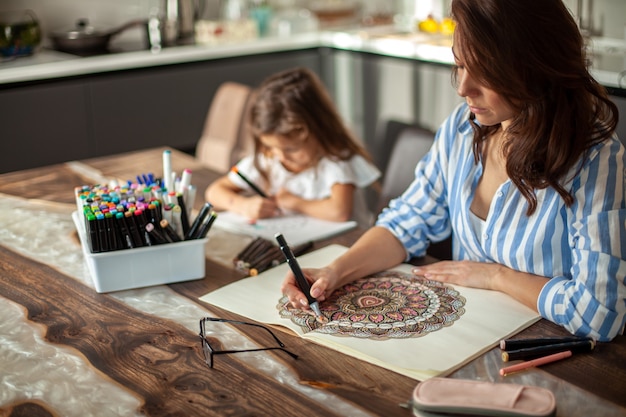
x=461 y=396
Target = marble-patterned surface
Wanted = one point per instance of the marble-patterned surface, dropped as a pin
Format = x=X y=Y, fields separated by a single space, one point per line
x=31 y=369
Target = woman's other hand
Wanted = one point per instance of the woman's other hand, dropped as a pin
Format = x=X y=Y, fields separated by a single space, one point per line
x=464 y=273
x=522 y=286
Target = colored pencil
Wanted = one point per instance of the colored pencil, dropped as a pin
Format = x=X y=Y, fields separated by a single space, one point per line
x=535 y=362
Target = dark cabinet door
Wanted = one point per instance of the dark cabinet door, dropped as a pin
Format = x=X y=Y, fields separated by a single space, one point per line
x=43 y=124
x=152 y=107
x=168 y=105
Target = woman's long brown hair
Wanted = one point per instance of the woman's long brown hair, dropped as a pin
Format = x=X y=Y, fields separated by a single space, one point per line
x=531 y=52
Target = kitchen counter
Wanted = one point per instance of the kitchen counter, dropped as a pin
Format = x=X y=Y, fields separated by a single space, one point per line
x=50 y=64
x=609 y=55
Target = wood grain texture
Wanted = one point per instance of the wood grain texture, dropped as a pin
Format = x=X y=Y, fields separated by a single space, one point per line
x=49 y=183
x=27 y=409
x=158 y=360
x=161 y=362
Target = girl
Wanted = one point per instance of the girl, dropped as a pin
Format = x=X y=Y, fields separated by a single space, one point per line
x=527 y=175
x=305 y=160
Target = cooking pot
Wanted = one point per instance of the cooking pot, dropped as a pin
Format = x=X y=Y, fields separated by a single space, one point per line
x=20 y=33
x=84 y=38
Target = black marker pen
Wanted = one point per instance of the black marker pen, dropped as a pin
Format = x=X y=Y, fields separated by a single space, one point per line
x=586 y=345
x=513 y=344
x=204 y=212
x=204 y=229
x=297 y=272
x=184 y=220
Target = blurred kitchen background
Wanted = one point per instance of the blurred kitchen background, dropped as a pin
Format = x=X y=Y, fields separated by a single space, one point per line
x=378 y=62
x=605 y=18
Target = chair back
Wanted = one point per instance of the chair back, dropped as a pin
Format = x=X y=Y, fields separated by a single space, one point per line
x=225 y=138
x=411 y=144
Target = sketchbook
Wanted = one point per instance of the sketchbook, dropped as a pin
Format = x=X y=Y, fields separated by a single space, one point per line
x=393 y=319
x=296 y=228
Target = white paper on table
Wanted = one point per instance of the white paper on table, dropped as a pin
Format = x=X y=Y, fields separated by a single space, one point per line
x=296 y=228
x=489 y=317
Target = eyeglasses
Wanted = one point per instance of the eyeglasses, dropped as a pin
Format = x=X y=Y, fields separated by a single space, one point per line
x=210 y=351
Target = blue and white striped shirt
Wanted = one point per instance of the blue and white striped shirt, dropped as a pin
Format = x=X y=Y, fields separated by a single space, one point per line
x=582 y=248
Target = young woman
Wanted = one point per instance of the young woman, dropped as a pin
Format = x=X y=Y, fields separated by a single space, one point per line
x=305 y=159
x=527 y=175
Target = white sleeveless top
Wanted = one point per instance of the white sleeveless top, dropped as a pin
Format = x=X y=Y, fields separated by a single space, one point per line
x=315 y=182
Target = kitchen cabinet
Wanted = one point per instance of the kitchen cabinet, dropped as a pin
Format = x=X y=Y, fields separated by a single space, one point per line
x=43 y=124
x=121 y=111
x=168 y=105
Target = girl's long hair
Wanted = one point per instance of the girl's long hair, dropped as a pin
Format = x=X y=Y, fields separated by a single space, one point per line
x=294 y=99
x=531 y=52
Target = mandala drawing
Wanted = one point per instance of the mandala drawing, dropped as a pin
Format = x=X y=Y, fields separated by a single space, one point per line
x=386 y=305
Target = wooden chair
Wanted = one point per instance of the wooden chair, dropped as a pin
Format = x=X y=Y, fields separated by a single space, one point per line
x=225 y=138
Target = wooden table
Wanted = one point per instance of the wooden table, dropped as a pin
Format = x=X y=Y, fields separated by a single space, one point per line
x=158 y=361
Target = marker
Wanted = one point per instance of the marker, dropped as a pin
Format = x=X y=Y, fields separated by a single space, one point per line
x=167 y=212
x=156 y=236
x=112 y=237
x=94 y=243
x=272 y=258
x=534 y=352
x=167 y=170
x=267 y=259
x=248 y=249
x=177 y=223
x=297 y=272
x=511 y=344
x=206 y=226
x=535 y=362
x=120 y=219
x=250 y=183
x=184 y=219
x=259 y=250
x=169 y=232
x=185 y=181
x=154 y=216
x=190 y=198
x=204 y=212
x=132 y=228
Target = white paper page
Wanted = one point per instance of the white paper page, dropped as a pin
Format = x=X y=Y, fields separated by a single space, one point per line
x=296 y=228
x=489 y=316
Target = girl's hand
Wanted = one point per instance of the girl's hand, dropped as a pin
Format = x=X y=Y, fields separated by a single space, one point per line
x=464 y=273
x=286 y=200
x=322 y=281
x=257 y=207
